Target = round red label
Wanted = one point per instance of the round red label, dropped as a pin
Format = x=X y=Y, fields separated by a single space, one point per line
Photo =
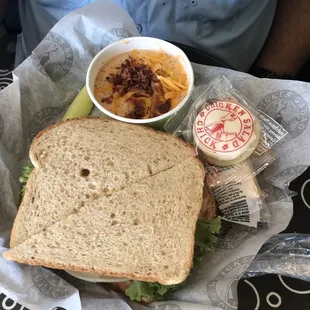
x=224 y=126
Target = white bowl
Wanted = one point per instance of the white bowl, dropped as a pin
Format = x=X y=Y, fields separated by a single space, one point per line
x=128 y=45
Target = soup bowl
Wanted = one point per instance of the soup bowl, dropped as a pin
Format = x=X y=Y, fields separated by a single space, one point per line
x=139 y=43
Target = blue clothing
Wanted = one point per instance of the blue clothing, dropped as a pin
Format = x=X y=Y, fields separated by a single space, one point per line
x=233 y=31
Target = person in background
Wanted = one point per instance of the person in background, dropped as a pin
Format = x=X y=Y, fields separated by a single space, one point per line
x=268 y=38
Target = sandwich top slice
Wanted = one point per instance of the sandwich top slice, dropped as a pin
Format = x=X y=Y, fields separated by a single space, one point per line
x=80 y=161
x=142 y=232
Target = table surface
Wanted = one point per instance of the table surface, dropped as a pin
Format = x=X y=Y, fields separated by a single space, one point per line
x=258 y=293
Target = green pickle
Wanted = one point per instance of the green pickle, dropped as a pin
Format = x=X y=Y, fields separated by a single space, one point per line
x=80 y=107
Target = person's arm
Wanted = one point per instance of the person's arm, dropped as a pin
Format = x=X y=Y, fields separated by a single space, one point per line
x=287 y=47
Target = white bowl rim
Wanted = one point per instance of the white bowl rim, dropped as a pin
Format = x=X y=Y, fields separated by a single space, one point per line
x=148 y=120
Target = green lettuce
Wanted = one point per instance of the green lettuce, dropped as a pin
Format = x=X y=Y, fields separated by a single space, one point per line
x=25 y=176
x=205 y=238
x=148 y=292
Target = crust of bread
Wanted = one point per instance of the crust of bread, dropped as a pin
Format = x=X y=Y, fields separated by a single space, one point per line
x=100 y=119
x=208 y=209
x=130 y=276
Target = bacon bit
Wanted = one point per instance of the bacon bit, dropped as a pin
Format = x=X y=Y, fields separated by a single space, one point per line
x=139 y=109
x=164 y=107
x=134 y=76
x=108 y=99
x=140 y=79
x=138 y=94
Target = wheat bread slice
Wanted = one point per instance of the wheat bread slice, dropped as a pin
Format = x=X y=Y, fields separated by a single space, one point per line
x=83 y=159
x=143 y=232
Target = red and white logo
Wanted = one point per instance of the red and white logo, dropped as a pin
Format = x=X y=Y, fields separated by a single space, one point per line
x=224 y=126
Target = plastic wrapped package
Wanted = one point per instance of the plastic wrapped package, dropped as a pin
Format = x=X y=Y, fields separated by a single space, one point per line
x=239 y=201
x=236 y=142
x=226 y=129
x=283 y=254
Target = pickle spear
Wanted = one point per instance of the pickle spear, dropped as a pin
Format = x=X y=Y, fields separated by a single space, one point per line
x=80 y=107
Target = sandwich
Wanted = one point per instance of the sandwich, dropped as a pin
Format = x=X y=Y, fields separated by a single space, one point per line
x=114 y=199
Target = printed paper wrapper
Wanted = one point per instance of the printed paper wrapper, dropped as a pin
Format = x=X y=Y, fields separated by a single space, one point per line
x=46 y=83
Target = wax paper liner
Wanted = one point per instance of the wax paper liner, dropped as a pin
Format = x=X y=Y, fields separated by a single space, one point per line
x=38 y=97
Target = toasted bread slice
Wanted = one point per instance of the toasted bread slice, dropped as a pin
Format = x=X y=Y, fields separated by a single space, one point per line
x=143 y=232
x=81 y=160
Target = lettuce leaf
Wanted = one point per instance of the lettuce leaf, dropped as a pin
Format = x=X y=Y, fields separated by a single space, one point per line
x=205 y=238
x=148 y=292
x=25 y=176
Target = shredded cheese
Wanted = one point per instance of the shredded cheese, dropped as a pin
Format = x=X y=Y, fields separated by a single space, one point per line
x=171 y=67
x=156 y=67
x=168 y=71
x=170 y=83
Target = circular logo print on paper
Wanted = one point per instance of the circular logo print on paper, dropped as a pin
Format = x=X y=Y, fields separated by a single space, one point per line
x=50 y=285
x=114 y=35
x=44 y=118
x=282 y=181
x=222 y=291
x=224 y=126
x=289 y=109
x=53 y=56
x=234 y=235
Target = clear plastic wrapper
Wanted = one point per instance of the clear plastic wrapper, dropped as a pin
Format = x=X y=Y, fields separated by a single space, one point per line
x=236 y=142
x=283 y=254
x=226 y=129
x=239 y=201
